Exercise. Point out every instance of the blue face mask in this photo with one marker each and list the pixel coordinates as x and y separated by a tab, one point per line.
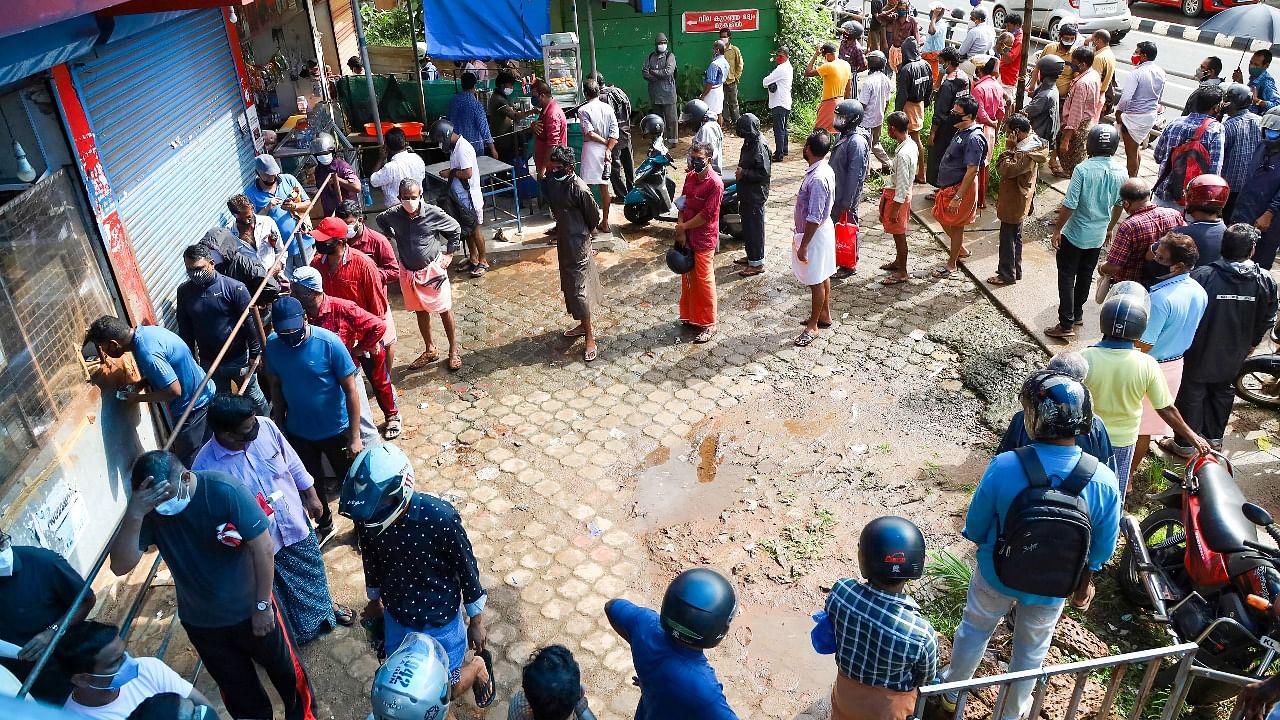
128	671
1271	135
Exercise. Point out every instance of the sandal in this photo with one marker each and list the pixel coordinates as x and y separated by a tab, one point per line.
823	325
1061	174
455	362
805	338
891	265
479	270
704	336
589	354
945	272
343	615
574	332
392	430
1171	447
999	281
485	694
465	266
892	280
1088	600
425	359
751	270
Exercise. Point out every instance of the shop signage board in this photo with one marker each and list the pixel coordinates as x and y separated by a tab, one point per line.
706	21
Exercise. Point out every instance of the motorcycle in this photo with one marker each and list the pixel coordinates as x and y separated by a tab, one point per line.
1258	381
652	194
1197	565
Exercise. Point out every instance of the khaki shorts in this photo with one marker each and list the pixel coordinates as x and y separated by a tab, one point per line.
915	115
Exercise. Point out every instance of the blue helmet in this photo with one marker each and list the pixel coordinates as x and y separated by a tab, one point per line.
378	487
1055	406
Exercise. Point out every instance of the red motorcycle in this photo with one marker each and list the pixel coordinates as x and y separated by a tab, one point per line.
1195	563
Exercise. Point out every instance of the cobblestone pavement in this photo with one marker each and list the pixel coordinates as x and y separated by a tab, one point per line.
582	482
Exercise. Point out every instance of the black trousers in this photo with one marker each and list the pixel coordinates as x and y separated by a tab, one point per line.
670	120
753	230
1206	407
624	170
1010	267
781	121
1075	276
193	434
230	654
310	452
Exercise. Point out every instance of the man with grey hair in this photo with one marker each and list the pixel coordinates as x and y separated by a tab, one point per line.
1097	443
713	81
416	227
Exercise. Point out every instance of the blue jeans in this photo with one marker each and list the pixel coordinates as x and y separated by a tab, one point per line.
781	119
1032	636
452	636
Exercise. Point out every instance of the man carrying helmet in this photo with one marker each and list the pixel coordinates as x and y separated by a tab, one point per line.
466	200
1035	578
1241	130
345	184
1121	375
675	679
1206	196
1240	311
418	566
884	647
1088	216
837	83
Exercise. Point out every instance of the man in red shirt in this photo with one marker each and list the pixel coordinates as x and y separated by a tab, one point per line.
699	229
549	130
369	241
351	275
1011	57
1146	224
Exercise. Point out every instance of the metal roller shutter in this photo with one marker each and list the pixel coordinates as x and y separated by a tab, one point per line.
165	108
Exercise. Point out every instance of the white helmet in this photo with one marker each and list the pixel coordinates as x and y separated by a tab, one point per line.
413	684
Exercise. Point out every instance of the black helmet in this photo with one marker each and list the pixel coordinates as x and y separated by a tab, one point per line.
1237	97
652	125
1103	140
378	487
852	28
1055	406
695	111
876	61
850	111
441	131
957	14
1125	311
680	259
698	607
891	550
1050	66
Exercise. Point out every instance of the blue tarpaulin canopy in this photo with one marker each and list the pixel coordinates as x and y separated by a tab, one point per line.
496	29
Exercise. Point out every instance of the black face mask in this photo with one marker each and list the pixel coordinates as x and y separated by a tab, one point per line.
251	435
293	338
326	247
201	277
558	174
697	164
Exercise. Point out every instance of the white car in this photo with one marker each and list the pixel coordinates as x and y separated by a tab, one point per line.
1087	15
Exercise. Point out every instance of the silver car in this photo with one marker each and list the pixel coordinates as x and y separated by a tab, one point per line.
1087	15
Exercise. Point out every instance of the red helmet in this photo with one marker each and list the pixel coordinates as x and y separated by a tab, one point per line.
1207	191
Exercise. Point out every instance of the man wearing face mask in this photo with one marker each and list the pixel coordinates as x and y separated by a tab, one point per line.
253	450
953	84
837	83
171	373
1210	71
280	196
1259	200
213	537
898	25
107	682
1146	224
259	237
1104	60
369	241
980	39
849	161
1139	103
1080	111
503	117
956	204
1265	95
37	588
660	71
318	395
208	306
778	83
732	56
577	216
345	184
754	169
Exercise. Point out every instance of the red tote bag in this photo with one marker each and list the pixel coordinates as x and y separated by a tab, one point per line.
846	243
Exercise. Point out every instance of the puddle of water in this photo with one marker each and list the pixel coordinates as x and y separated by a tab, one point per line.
686	484
781	637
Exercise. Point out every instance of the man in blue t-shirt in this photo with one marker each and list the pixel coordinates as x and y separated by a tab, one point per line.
317	392
1057	409
213	537
281	197
168	367
676	681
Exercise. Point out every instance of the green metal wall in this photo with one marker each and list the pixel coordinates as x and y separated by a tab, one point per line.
625	39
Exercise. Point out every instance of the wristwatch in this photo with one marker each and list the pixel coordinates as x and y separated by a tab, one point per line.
264	605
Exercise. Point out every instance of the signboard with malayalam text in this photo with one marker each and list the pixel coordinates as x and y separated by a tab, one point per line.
706	21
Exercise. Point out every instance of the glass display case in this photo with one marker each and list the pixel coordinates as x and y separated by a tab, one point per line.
561	58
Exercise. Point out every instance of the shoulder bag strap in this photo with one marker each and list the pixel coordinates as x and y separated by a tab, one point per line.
1081	474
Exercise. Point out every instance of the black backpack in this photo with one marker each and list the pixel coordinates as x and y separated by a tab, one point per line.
1043	548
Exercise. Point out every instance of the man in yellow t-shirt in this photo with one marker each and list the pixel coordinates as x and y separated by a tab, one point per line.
835	74
1121	375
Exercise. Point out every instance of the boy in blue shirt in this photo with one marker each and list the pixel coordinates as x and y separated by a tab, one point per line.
1057	409
676	681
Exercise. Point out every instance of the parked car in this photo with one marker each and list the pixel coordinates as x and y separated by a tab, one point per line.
1046	15
1194	8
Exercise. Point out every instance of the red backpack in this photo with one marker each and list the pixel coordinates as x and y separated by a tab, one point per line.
1186	161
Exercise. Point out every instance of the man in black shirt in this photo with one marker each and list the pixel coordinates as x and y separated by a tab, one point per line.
37	587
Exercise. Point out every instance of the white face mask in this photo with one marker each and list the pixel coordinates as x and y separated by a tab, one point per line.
351	231
410	206
6	562
506	91
179	502
662	47
324	159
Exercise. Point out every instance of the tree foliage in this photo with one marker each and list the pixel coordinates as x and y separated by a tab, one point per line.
387	27
802	25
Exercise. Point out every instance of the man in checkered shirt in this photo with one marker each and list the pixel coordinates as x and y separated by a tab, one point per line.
884	648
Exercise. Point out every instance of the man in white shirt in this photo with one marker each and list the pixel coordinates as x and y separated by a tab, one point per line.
705	130
778	83
895	201
1139	103
873	93
599	135
398	162
979	39
107	682
463	178
259	235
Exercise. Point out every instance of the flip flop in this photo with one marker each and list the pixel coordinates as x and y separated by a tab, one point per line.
943	273
804	339
574	333
424	359
455	362
590	354
480	270
891	265
392	430
485	694
343	615
823	325
892	280
965	254
1088	601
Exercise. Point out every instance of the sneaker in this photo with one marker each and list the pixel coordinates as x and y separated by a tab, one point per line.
949	701
1060	331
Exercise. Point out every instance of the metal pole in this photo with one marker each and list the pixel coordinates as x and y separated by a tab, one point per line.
368	71
417	68
315	45
591	34
576	30
1026	53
